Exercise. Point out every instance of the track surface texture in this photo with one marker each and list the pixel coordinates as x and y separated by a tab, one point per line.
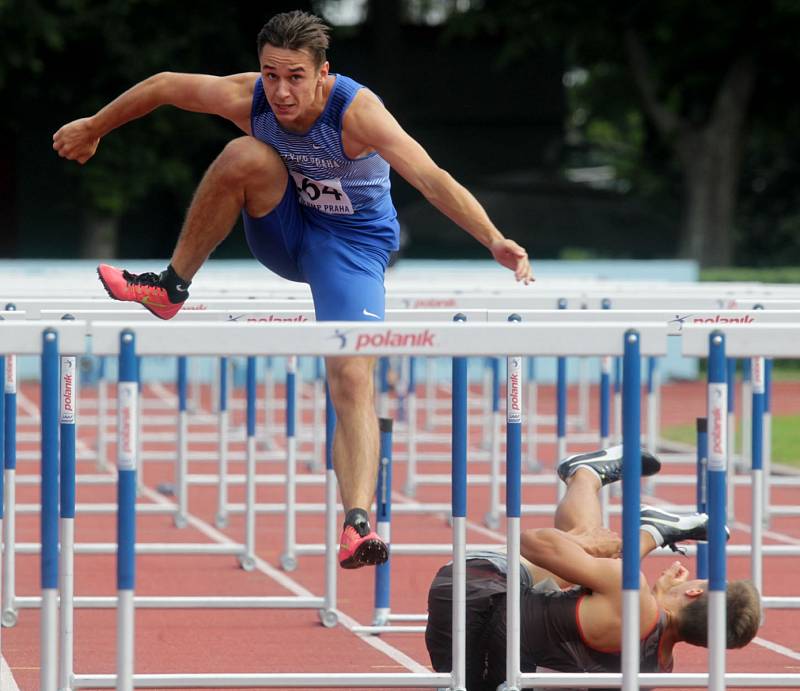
293	640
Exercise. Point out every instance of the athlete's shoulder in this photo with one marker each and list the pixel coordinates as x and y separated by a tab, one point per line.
346	81
363	106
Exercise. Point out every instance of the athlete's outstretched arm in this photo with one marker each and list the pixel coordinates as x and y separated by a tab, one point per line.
229	97
368	123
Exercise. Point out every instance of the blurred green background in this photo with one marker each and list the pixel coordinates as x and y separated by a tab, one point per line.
598	130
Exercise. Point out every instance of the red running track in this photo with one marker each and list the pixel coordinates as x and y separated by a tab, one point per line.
258	641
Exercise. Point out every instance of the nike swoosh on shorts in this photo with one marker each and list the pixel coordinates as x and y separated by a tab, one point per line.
366	313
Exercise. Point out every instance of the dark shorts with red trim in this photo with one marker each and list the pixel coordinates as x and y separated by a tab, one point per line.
486	590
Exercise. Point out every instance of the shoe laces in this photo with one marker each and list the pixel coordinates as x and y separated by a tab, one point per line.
361	528
146	279
148	282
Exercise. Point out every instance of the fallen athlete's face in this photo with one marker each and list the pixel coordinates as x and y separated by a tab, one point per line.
292	85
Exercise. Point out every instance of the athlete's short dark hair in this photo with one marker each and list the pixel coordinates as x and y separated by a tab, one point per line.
296	30
743	615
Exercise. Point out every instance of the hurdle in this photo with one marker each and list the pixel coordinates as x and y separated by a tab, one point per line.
68	418
582	314
777	315
769	340
546	339
386	681
44	340
2	475
9	424
671	679
246	559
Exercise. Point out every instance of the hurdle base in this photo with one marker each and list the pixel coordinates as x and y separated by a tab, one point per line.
238	681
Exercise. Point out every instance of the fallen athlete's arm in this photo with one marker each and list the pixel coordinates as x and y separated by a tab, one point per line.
369	126
567	555
598	543
229	97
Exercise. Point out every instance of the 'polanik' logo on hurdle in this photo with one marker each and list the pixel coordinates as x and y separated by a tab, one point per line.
716	319
514	402
250	318
429	303
387	339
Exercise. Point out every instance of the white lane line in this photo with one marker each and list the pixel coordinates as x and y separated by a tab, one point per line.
163	393
776	648
771	534
293	586
7	681
28	406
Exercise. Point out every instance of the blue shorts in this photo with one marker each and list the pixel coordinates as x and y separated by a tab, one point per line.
346	278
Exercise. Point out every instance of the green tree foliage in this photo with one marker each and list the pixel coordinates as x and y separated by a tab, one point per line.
675	91
65	59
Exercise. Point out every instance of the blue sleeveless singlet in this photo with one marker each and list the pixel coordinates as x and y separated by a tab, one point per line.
348	197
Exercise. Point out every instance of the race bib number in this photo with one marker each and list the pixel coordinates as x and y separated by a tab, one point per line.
324	195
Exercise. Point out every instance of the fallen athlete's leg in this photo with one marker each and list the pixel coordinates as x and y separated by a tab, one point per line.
662	528
585	474
579	510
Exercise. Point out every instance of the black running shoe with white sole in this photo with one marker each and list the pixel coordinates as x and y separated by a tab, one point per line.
606	463
669	528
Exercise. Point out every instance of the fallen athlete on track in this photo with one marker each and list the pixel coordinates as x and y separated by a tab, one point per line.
571	590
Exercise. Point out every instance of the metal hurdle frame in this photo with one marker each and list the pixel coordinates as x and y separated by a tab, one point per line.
46	339
58	663
327	612
182	476
768	316
2	474
769	340
538	315
752	318
9	423
367	339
